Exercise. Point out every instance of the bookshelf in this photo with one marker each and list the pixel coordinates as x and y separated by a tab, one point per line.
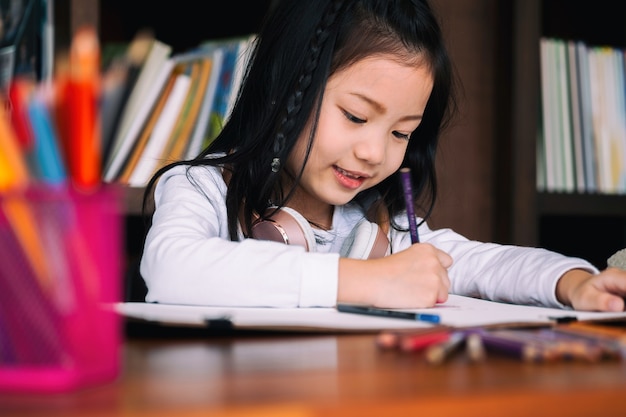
579	224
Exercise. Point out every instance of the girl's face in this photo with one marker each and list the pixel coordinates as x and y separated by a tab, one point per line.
368	113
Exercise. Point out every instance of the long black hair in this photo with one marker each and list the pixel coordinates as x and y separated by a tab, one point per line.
300	45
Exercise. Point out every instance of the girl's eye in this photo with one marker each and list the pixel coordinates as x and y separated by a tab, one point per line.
401	135
353	118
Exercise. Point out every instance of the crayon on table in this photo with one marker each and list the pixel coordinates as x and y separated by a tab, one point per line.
475	348
556	345
611	346
616	332
438	353
421	341
573	347
389	339
528	351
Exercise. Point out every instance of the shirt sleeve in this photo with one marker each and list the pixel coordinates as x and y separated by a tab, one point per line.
505	273
188	257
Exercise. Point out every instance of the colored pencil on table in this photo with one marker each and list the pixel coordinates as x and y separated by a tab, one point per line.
439	352
390	339
475	348
412	343
526	350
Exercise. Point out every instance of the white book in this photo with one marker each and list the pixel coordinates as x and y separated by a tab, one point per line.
548	138
149	159
620	117
244	51
576	116
151	79
566	154
118	158
618	131
600	112
596	114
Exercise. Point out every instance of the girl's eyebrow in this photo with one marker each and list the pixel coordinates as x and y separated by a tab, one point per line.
382	109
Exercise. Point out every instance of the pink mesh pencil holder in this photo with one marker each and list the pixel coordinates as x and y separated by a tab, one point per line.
60	275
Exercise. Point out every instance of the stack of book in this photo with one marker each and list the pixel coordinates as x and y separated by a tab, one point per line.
582	144
159	107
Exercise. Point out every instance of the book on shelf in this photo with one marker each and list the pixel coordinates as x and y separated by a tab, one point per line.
563	132
153	75
120	73
576	115
142	143
244	49
235	50
548	107
586	122
200	129
604	107
146	132
179	139
164	126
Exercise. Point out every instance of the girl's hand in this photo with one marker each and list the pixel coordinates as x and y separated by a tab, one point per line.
413	278
585	291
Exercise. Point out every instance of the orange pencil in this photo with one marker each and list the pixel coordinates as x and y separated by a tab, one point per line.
13	170
84	147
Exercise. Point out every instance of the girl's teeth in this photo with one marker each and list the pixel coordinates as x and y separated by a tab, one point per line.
347	174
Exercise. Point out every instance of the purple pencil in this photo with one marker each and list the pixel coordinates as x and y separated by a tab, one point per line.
405	176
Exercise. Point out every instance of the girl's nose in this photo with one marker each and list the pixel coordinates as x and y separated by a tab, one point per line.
371	149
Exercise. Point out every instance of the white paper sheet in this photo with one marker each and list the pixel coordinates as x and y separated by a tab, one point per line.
458	311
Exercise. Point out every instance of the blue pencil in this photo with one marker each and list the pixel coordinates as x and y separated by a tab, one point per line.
46	153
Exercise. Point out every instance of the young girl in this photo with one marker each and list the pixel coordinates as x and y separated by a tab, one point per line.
338	96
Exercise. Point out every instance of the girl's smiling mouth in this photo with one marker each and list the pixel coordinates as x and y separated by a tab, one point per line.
349	179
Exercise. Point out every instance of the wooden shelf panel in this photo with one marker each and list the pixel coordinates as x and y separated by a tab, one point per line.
581	204
133	200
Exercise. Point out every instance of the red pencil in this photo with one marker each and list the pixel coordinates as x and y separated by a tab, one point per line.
84	147
418	342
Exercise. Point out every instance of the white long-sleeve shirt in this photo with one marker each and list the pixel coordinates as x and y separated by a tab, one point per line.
189	259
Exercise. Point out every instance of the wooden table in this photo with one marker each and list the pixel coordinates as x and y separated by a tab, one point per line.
263	374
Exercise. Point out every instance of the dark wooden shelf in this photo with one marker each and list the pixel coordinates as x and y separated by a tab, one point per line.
133	200
581	204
